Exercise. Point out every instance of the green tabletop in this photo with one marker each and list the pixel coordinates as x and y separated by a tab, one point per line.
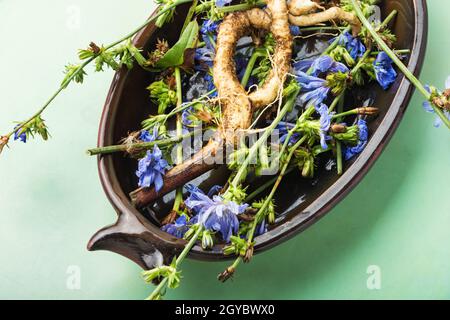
388	239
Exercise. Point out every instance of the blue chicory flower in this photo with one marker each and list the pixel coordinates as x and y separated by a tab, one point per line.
208	30
20	135
354	46
151	169
314	89
323	64
363	136
206	54
178	228
384	71
325	123
428	107
209	26
146	136
215	214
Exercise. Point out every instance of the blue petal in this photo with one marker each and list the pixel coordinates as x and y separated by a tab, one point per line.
222	3
261	228
427	106
295	30
322	64
437	122
214	190
19	135
302	65
350	152
158	182
315	97
384	72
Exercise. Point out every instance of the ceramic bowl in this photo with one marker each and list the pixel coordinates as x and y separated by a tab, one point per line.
301	202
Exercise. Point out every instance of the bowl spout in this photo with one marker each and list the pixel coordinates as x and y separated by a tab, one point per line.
130	237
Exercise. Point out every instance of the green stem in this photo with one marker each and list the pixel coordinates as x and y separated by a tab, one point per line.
137	146
51	99
401	51
146	145
263	187
241	7
344	114
179	191
211	39
388	19
87	62
275	187
266	202
336	101
324	28
156	292
227	9
404	69
339	162
179	103
190	14
276	183
251	64
254	149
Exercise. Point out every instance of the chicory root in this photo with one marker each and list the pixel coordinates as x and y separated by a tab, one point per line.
301	7
333	13
279	28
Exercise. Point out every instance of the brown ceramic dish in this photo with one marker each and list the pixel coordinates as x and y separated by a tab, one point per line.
136	234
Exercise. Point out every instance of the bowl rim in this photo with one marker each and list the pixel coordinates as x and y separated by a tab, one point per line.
322	204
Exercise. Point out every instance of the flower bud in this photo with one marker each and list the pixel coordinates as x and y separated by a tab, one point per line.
308	168
437	101
94	48
248	254
367	111
190	233
207	241
3	142
446	93
338	128
227	274
271	213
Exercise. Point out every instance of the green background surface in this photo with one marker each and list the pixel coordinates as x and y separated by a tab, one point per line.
51	200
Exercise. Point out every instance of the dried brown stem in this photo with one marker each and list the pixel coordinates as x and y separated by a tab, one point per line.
201	162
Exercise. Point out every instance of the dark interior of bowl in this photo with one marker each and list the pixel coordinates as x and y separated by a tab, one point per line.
299	201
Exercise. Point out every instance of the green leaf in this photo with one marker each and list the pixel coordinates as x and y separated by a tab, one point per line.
175	56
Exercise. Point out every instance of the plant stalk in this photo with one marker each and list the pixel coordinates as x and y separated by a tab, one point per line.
179	191
88	61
